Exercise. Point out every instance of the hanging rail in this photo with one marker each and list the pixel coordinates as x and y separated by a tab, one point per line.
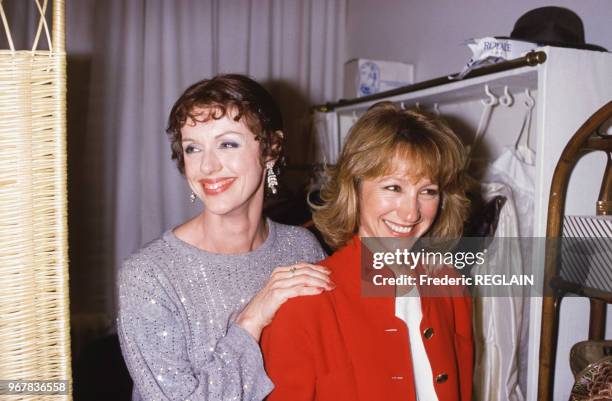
530	59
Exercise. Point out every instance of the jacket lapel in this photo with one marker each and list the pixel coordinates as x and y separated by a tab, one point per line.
376	340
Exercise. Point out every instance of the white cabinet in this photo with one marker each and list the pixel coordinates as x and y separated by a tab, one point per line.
568	87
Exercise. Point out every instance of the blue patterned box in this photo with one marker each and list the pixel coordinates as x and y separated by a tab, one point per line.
364	77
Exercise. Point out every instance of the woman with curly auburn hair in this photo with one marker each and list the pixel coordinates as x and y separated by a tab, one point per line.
400	176
193	303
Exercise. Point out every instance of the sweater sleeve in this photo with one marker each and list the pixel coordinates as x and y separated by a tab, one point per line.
154	346
288	353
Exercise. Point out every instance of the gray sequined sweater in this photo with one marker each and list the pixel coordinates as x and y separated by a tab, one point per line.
177	304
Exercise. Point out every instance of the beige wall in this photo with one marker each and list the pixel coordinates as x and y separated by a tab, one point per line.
429	34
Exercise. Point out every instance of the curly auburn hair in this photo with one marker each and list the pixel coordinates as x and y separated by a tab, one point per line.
383	134
232	95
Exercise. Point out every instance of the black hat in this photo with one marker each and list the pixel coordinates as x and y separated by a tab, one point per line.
554	26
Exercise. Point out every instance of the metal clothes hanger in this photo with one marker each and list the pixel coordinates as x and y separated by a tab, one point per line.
507	99
489	103
527	153
436	109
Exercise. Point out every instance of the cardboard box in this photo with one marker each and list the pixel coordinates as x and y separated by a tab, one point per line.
364	77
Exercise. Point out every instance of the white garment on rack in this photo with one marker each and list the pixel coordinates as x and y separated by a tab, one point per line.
408	308
498	319
325	126
515	167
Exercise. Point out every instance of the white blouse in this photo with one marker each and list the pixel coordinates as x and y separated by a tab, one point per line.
408	308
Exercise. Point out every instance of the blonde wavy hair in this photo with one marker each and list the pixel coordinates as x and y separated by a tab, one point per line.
381	136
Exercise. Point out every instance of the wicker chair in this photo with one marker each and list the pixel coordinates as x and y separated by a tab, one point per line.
587	139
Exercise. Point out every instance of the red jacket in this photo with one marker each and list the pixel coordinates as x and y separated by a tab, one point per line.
341	346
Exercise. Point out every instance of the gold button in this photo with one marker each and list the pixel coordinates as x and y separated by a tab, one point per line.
441	378
428	333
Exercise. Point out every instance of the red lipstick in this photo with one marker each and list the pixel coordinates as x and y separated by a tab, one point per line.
214	186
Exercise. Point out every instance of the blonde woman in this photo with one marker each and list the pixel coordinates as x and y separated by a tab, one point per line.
400	175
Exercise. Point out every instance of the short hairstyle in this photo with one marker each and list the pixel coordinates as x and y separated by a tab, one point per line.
384	133
223	95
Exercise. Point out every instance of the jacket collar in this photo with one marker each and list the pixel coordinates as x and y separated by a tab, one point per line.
352	273
354	276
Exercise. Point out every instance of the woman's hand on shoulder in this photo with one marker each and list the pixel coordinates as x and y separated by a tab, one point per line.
285	282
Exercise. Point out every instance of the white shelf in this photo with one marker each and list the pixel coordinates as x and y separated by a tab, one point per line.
516	80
